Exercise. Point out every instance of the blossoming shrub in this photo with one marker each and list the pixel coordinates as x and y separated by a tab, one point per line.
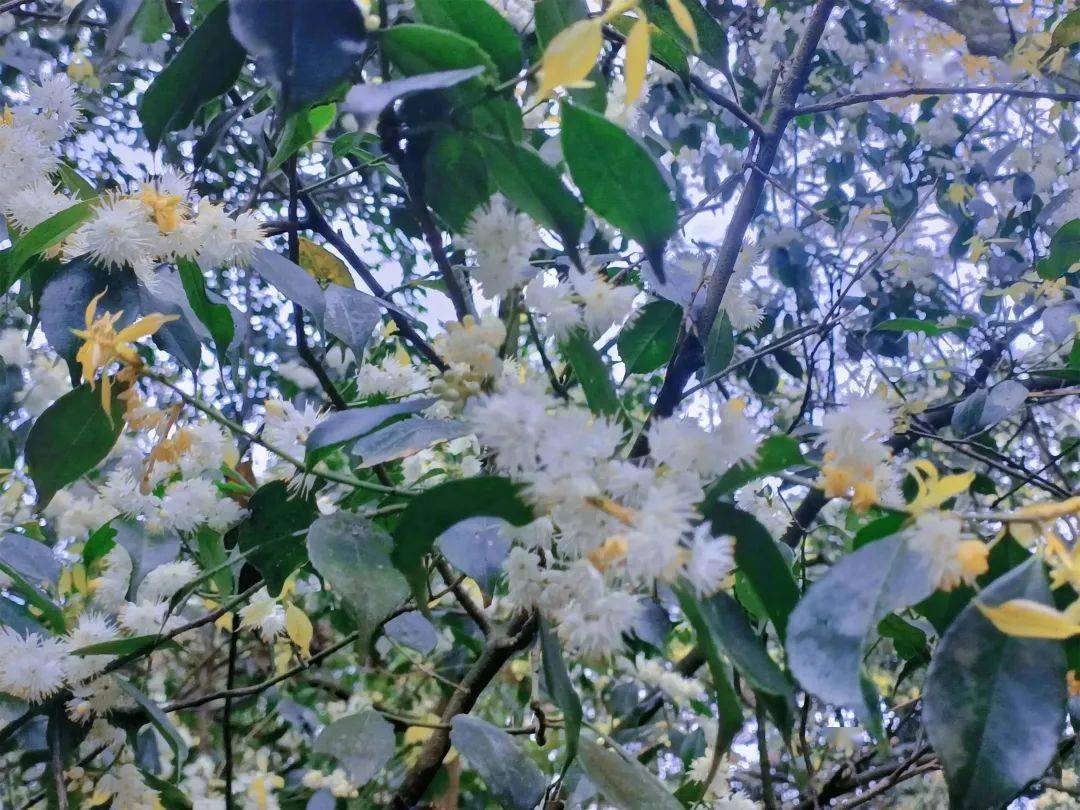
458	403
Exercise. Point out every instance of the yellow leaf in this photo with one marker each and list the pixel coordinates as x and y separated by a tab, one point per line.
299	628
1050	510
933	489
324	266
637	58
570	56
1023	617
684	21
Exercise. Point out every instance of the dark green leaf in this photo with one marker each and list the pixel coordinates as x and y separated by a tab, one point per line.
340	427
877	529
727	621
729	709
962	326
435	510
405	438
759	559
837	616
720	347
159	720
519	172
215	317
711	37
368	100
647	341
363	743
481	23
558	684
774	454
70	438
206	66
353	555
304	51
1064	251
126	646
146	549
619	180
508	772
351	316
418	49
994	705
592	372
625	783
272	535
46	235
50	613
455	175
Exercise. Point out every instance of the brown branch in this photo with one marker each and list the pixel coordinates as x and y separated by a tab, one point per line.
934	90
496	653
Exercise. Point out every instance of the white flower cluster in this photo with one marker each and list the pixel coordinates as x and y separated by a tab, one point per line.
738	303
586	300
609	526
502	240
857	462
471	347
160	224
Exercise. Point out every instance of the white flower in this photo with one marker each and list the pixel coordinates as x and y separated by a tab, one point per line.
111	587
936	536
711	560
92	628
119	234
555	303
773	516
298	374
49	380
473	343
77	517
604	304
391	378
145	618
13	348
31	667
24	157
165	580
852	438
680	689
502	240
264	614
96	699
56	98
682	444
524	577
30	206
125	785
595	626
195	502
225	240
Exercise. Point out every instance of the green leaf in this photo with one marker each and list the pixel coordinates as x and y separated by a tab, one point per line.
481	23
305	51
592	372
126	646
159	720
837	616
759	559
506	770
551	17
46	235
558	684
206	66
663	47
415	49
619	180
1064	251
962	326
51	614
340	427
75	183
625	783
774	454
994	705
908	640
214	316
362	743
70	438
729	709
301	129
435	510
711	37
720	347
1066	33
271	537
882	527
646	343
727	621
536	188
455	176
353	555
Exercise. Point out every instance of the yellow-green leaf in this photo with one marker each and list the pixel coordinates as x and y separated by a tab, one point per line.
299	628
685	22
637	58
570	56
322	265
1030	619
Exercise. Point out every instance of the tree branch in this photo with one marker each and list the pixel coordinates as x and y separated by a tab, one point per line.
935	90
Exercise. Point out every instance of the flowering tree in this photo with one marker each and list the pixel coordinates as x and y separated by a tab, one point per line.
492	403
